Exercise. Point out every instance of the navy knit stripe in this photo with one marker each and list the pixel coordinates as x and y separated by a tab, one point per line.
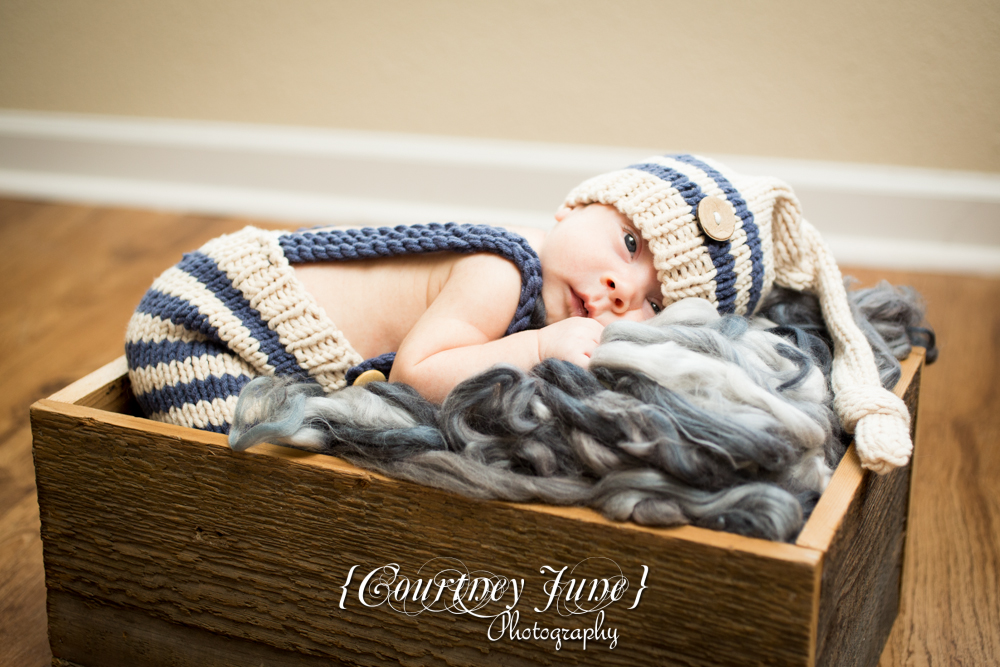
223	429
368	243
178	311
184	313
725	274
155	402
175	396
749	226
143	354
203	268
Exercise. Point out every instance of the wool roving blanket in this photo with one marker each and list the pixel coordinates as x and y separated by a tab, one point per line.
690	417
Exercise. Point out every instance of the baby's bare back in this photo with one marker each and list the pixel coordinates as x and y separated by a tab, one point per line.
376	302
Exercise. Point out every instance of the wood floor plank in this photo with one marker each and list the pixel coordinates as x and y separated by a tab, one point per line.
23	638
73	274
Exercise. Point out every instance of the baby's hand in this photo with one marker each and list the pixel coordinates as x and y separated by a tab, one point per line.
572	339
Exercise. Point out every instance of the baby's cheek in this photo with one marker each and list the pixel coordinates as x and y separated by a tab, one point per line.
639	315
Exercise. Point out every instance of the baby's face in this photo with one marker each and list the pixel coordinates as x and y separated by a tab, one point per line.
596	264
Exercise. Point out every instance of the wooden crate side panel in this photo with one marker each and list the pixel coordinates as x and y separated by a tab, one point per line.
196	535
862	570
107	388
87	633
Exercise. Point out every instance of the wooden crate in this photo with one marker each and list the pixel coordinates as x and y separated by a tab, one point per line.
164	547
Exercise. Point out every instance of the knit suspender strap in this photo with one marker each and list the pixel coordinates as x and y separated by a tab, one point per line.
369	243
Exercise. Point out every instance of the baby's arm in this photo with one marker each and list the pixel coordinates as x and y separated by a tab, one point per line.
461	333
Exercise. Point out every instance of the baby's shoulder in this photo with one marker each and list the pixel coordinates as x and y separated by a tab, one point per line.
486	272
483	289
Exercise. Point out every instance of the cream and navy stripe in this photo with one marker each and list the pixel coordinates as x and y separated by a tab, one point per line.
234	310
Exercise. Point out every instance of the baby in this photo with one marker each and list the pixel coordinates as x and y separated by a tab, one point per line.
434	305
449	313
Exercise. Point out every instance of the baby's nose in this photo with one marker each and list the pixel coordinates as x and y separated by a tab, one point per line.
620	295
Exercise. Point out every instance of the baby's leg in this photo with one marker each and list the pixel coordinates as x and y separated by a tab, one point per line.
182	377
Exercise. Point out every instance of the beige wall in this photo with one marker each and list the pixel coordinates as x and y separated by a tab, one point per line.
891	81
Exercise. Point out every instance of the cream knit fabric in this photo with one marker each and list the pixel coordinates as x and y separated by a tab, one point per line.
771	244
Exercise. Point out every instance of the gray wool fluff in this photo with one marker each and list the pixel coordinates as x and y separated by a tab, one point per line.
691	417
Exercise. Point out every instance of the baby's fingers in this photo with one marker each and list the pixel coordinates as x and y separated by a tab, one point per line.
571	340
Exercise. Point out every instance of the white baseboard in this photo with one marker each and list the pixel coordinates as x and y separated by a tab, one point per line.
889	217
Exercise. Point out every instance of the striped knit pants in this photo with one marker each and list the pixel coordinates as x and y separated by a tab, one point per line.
229	312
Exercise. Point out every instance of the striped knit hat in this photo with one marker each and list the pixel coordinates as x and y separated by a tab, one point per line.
729	238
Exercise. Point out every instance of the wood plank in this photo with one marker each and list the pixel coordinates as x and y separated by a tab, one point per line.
22	580
861	576
90	633
107	388
718	539
206	547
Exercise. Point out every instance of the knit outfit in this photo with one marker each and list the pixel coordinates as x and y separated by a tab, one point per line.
234	310
767	242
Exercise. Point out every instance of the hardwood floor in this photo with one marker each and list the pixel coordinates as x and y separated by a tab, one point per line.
73	274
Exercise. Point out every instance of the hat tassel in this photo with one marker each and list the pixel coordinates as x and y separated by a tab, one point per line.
877	417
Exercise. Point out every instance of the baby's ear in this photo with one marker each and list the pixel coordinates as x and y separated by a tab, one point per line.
562	213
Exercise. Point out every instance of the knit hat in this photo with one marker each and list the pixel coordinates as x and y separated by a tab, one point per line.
729	238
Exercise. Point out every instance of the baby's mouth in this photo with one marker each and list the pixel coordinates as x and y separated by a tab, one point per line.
579	305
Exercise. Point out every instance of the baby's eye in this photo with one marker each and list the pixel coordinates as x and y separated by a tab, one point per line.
631	243
655	306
